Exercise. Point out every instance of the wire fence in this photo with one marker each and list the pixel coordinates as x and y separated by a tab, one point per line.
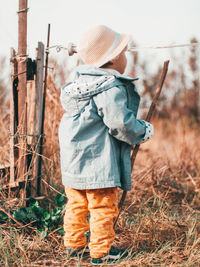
72	48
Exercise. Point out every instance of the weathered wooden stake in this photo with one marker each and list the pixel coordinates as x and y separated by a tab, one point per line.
22	90
13	119
39	167
39	98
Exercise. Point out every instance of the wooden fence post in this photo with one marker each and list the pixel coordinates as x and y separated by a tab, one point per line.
13	119
22	91
39	98
39	169
27	105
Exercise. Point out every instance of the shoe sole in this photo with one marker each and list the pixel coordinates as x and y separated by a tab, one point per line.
111	258
106	259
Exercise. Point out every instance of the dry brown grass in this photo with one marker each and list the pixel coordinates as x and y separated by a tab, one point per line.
160	223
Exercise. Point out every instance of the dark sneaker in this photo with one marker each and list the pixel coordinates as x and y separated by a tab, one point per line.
113	255
79	252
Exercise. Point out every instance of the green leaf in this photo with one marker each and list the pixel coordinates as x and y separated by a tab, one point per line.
47	215
40	229
32	216
20	214
38	210
33	202
44	233
59	200
56	211
53	218
61	231
3	216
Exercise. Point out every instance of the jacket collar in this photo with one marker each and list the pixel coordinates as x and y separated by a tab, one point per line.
95	71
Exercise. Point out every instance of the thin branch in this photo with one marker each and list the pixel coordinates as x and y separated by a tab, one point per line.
11	217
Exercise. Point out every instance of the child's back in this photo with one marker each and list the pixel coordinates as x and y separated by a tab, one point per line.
101	110
96	135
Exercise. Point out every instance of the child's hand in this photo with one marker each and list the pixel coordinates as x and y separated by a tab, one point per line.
149	132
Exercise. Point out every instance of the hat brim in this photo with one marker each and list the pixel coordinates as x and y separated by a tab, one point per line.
122	43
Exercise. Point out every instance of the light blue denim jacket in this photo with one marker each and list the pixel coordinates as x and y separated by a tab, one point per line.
98	129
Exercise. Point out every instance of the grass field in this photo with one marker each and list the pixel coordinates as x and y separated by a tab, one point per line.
160	222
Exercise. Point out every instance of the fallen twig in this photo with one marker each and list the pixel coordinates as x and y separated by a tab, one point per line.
11	217
52	188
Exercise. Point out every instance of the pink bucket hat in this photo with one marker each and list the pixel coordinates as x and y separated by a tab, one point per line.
100	44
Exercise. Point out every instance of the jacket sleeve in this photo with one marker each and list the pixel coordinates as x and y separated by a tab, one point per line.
112	106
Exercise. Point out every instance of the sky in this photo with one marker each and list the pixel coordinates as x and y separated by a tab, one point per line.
150	22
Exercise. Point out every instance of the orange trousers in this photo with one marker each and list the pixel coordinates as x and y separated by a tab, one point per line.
102	206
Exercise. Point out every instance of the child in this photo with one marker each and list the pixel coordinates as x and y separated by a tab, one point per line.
96	135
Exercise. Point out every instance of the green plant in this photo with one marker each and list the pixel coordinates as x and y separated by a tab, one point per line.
45	220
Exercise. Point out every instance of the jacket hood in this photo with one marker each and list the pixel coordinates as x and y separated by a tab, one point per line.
89	80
